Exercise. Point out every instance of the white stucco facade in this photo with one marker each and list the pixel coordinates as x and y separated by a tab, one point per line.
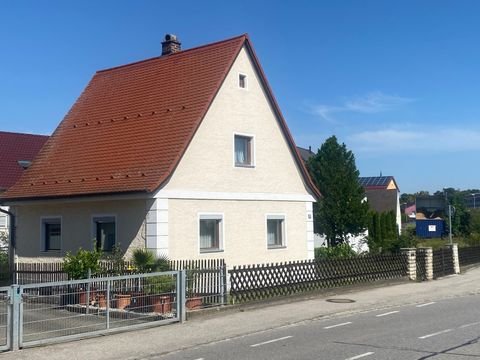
206	182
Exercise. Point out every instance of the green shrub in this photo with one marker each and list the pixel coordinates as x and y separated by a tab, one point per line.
341	251
143	260
78	265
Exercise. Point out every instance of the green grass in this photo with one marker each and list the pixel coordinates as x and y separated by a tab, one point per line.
437	243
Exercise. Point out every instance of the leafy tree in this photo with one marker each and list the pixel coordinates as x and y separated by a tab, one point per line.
342	209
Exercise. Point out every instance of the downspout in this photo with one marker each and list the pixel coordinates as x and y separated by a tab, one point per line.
12	244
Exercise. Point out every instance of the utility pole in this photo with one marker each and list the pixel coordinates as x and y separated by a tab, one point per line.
450	223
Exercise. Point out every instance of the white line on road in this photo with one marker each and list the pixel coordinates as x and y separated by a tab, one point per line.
435	334
337	325
468	325
199	359
271	341
430	303
360	356
388	313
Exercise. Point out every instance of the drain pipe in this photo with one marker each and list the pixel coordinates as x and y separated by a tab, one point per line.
12	244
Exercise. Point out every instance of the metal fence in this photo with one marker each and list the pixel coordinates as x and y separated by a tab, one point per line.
421	258
443	262
469	255
5	318
254	282
52	312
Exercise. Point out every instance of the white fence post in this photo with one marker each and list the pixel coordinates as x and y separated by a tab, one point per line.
411	262
456	261
429	263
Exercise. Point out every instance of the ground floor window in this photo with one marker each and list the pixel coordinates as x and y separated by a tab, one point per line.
211	233
104	228
275	231
3	221
51	233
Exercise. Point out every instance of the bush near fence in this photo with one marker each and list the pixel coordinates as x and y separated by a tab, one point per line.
254	282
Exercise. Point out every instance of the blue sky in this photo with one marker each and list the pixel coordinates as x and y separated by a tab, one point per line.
398	82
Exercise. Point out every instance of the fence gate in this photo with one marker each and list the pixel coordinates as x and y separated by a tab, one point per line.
443	262
5	318
51	312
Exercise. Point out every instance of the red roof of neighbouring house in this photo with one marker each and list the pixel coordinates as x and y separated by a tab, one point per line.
132	124
15	147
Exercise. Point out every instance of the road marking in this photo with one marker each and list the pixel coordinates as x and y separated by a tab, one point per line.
430	303
271	341
199	359
468	325
435	334
360	356
334	326
388	313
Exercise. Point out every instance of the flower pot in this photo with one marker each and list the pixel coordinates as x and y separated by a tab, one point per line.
160	303
123	300
82	297
139	302
194	302
102	300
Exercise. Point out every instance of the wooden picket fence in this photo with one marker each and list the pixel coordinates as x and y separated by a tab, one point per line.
255	282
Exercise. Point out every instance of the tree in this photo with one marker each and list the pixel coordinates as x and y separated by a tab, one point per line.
341	210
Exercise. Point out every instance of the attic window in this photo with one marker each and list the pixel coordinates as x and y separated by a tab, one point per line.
243	152
242	81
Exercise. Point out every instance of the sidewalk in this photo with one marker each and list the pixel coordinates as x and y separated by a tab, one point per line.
248	319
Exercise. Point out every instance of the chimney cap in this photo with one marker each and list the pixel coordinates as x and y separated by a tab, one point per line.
171	44
171	37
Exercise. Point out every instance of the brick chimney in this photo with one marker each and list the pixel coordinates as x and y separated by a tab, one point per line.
171	45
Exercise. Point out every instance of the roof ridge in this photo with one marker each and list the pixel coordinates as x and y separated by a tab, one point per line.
168	56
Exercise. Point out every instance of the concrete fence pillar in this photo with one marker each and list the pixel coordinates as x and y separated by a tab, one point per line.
429	263
456	261
411	263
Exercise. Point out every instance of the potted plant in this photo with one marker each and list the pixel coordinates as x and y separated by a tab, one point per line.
80	266
159	293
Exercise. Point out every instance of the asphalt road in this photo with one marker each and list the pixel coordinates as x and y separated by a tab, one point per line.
446	329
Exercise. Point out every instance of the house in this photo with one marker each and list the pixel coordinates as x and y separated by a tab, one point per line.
305	154
172	153
17	150
383	195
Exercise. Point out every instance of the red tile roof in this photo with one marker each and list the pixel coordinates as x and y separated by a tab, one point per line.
131	125
15	147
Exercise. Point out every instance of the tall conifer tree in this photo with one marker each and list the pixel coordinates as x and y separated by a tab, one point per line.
342	209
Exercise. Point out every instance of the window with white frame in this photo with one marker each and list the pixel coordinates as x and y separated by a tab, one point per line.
104	228
3	221
211	233
52	233
242	81
275	231
244	150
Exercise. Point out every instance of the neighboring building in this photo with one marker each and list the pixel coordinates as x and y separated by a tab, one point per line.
16	149
186	154
305	154
383	195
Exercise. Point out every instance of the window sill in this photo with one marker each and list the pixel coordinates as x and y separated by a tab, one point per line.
245	166
51	251
276	247
211	251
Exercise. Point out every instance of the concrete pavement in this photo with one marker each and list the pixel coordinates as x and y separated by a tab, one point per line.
148	343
